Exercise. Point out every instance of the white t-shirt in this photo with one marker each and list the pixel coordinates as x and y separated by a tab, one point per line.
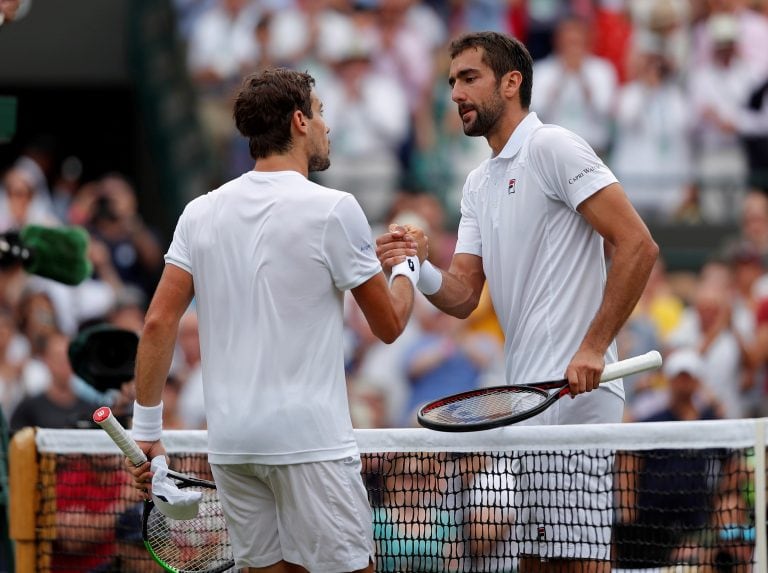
543	261
270	255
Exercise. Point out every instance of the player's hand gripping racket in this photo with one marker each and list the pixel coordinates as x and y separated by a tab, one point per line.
196	545
496	406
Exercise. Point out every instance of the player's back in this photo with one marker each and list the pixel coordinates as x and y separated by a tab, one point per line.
270	319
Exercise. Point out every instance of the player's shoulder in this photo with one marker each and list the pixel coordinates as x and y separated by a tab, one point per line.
326	193
549	139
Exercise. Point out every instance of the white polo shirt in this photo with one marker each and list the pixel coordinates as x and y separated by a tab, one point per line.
270	255
543	261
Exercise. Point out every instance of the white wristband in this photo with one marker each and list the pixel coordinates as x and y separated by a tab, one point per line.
147	422
408	268
430	279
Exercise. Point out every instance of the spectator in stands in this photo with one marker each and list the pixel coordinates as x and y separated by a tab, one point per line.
92	493
413	533
752	126
129	310
751	35
134	248
575	89
404	53
664	497
446	359
18	206
753	228
130	554
367	112
488	498
376	365
190	374
221	46
722	336
38	160
718	90
59	405
652	154
12	358
666	23
542	21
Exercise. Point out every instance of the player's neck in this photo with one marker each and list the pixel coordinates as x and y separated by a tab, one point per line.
498	138
283	162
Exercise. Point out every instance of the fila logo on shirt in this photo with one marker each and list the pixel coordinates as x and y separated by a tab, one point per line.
511	186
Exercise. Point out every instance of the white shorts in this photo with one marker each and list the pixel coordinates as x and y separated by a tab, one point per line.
564	501
314	514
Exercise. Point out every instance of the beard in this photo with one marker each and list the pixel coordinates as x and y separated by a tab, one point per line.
487	115
319	162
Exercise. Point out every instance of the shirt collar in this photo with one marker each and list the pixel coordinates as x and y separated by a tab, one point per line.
519	135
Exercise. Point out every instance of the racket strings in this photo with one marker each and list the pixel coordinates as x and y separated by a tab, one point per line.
487	406
198	545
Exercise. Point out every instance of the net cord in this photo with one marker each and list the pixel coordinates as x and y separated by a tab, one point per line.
630	436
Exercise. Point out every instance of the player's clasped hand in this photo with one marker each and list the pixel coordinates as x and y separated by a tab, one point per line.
394	246
142	478
584	371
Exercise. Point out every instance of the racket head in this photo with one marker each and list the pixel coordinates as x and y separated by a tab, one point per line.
197	545
484	408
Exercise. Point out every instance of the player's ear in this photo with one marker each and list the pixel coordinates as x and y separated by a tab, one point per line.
511	82
299	121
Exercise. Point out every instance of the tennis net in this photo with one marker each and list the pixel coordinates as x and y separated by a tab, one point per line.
688	494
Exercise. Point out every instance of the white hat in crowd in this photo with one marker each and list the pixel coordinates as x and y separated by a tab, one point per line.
684	360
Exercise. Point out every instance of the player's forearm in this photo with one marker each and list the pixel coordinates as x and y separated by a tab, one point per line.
630	268
455	297
153	360
401	293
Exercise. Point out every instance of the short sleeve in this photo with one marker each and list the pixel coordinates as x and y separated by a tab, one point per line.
178	253
569	168
469	239
348	245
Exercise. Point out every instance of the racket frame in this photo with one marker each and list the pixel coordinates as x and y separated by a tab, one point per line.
648	361
104	417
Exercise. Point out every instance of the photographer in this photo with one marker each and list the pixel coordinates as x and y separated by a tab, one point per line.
114	220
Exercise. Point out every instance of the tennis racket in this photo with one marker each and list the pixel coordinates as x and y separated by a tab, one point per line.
196	545
496	406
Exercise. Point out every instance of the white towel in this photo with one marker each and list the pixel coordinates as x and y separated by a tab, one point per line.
170	500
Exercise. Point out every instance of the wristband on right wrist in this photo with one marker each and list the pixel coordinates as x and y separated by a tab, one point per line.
408	268
430	279
147	422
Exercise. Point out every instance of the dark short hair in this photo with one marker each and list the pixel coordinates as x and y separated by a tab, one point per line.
265	105
502	54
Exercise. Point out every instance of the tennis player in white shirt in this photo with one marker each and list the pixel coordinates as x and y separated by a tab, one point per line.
534	218
267	257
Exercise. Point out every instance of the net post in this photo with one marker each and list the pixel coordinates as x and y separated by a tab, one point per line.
25	499
761	554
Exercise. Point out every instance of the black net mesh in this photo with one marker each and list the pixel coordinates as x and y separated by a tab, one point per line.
448	511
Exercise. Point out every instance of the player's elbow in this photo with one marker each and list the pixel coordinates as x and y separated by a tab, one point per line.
388	331
158	324
649	250
465	308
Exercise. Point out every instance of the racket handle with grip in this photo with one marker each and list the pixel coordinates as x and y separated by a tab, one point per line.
648	361
106	419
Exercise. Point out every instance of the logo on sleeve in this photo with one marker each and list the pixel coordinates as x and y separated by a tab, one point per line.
366	247
584	172
411	265
511	186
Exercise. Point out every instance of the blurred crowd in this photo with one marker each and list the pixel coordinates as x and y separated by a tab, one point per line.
670	92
